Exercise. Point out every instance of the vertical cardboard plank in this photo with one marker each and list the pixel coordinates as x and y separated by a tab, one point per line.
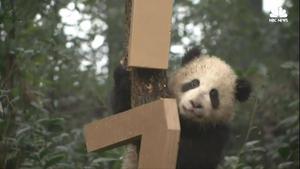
159	147
149	40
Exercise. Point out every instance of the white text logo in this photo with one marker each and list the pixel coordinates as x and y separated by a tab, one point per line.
278	15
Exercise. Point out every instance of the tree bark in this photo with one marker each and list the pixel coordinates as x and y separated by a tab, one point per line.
146	85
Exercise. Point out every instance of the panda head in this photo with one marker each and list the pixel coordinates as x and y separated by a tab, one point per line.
206	88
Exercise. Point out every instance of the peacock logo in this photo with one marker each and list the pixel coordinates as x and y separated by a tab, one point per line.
278	15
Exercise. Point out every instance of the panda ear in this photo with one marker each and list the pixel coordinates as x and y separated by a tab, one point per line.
190	55
242	89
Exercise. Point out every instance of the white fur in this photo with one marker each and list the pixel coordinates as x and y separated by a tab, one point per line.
212	73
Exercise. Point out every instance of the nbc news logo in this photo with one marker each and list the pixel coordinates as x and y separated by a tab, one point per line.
278	15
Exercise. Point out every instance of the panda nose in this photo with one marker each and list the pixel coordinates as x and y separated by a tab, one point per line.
196	105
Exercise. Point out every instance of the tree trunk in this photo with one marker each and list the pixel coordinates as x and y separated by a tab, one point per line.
146	85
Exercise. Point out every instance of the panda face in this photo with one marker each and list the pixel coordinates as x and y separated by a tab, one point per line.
204	89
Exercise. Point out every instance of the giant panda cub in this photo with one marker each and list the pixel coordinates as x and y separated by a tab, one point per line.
206	89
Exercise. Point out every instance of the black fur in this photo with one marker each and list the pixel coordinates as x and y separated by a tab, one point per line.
190	85
242	90
120	100
214	97
201	145
190	55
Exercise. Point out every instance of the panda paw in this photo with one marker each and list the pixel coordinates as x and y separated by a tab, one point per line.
120	99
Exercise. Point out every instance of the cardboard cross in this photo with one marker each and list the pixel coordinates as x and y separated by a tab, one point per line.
156	123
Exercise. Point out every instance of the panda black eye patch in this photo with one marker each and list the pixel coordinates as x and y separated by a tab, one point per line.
190	85
214	98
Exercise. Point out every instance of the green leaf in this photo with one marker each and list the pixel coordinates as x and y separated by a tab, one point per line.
54	160
290	121
104	159
43	152
39	107
2	123
289	65
23	131
258	149
53	125
294	103
284	152
286	165
252	143
1	108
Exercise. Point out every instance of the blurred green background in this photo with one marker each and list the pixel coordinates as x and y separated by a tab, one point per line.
57	58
